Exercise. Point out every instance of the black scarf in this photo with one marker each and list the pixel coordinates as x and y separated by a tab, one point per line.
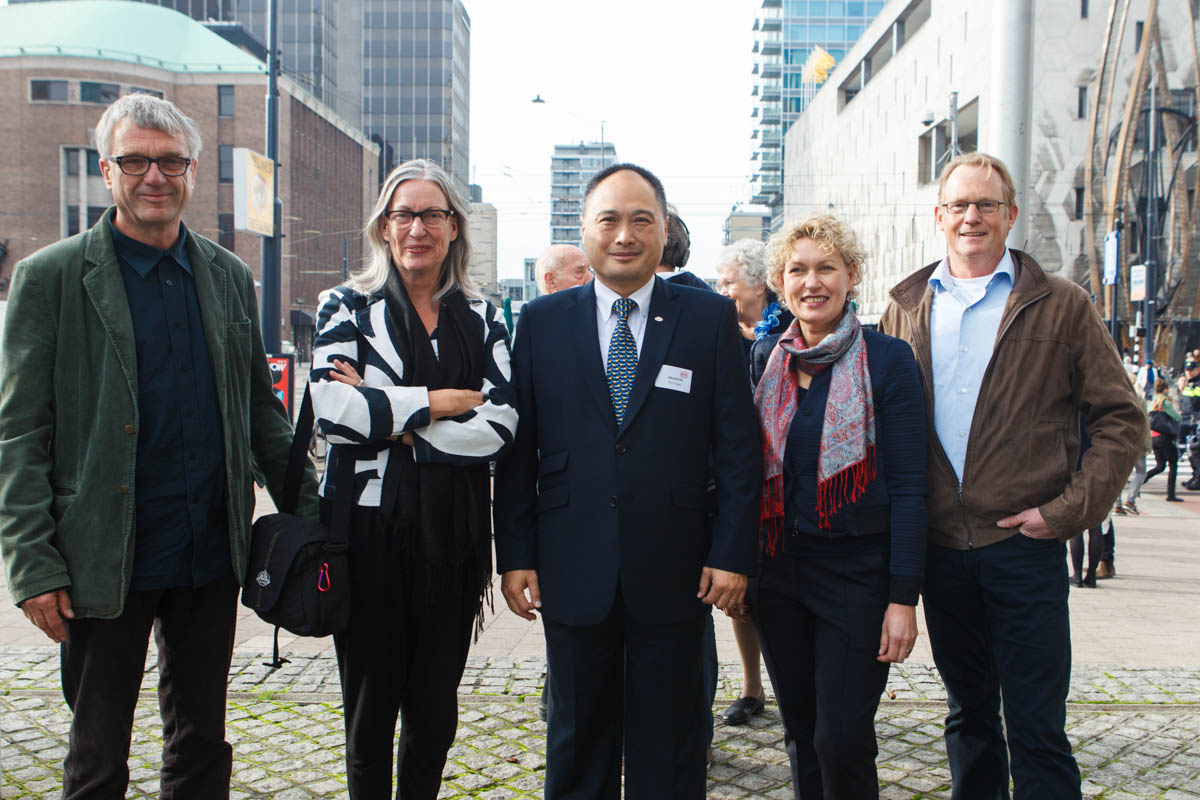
442	511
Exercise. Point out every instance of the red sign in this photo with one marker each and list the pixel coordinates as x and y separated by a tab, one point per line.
283	371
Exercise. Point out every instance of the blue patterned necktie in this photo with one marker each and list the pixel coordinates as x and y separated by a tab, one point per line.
622	358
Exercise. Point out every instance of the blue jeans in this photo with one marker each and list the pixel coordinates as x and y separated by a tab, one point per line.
999	625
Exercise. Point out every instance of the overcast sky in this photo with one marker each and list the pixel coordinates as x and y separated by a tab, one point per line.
670	79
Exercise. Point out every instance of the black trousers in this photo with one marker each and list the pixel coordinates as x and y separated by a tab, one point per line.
1166	457
999	626
819	621
102	665
628	677
402	657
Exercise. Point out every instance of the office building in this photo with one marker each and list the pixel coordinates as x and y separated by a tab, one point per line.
572	166
55	92
786	31
747	222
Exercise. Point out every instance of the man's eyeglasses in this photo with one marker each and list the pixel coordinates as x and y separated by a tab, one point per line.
170	166
984	207
430	217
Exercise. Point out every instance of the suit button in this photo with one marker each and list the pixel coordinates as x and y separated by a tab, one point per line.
124	490
130	429
612	501
620	449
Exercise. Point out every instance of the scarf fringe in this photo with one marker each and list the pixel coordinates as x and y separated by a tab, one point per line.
771	517
844	488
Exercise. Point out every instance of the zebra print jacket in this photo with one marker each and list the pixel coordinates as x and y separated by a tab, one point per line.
362	422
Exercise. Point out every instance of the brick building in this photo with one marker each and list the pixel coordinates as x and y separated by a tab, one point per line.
62	63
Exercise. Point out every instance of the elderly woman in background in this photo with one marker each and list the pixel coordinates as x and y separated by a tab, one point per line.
843	512
742	277
410	383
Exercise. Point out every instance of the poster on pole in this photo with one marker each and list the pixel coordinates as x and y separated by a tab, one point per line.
253	192
1111	243
1137	283
283	370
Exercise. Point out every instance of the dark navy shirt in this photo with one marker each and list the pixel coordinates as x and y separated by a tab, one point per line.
181	524
889	516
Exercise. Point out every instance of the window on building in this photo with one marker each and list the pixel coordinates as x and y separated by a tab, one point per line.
48	91
1083	9
1078	202
225	231
72	220
142	90
71	157
224	101
1137	35
92	92
93	163
94	213
1082	110
225	165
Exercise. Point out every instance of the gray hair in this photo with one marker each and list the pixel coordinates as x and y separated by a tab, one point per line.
749	256
374	273
146	111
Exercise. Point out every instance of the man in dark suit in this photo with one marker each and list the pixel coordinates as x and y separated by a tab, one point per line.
631	393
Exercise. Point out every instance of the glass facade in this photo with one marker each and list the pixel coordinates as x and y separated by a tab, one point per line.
416	82
785	35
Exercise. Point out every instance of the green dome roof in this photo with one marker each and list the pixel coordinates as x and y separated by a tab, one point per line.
137	33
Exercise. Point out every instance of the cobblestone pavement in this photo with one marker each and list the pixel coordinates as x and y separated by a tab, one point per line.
1136	732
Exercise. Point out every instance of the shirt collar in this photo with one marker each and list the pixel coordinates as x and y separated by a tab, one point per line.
942	281
605	297
144	257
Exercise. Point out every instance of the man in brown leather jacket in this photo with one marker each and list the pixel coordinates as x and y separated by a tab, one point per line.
1010	358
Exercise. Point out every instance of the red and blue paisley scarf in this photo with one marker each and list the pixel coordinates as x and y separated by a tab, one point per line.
846	461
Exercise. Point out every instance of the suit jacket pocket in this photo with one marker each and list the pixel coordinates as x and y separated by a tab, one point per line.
550	463
548	499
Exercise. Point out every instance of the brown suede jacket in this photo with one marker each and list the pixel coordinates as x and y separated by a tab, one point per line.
1053	360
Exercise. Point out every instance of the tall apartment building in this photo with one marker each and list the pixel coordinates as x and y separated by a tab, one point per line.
572	166
397	69
747	222
786	31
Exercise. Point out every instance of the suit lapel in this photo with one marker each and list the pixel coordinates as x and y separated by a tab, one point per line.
581	324
106	290
664	306
212	292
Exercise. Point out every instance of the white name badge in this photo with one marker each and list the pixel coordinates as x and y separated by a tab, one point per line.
674	378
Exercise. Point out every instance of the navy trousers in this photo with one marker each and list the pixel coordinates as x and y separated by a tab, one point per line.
999	626
626	677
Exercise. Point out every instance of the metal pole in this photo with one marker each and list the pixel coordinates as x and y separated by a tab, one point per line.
271	249
953	149
1151	221
1008	119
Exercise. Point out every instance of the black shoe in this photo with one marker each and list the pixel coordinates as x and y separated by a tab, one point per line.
1090	581
742	709
1174	499
1076	582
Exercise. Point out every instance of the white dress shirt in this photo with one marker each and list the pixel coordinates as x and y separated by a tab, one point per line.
606	318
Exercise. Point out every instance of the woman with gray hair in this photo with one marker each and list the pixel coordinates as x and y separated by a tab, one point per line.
742	277
410	383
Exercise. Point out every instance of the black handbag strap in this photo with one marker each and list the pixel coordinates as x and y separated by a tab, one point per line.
299	455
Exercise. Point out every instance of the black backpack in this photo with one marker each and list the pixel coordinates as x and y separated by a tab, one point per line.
298	575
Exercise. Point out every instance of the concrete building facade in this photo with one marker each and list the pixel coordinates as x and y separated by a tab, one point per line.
482	266
51	185
870	146
747	222
571	167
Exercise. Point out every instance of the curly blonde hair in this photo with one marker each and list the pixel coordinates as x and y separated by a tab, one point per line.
830	233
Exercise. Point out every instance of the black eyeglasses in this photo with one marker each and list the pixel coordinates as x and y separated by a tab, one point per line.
984	207
430	217
170	166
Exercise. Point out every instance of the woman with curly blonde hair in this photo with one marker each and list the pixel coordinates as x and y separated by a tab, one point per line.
843	511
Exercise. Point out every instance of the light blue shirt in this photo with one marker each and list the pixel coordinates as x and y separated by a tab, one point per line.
963	324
